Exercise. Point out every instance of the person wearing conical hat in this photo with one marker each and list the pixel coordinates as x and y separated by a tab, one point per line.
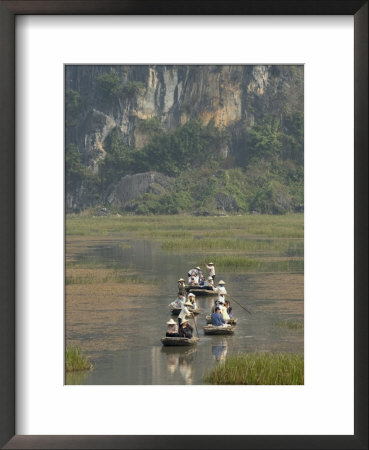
192	299
211	269
220	288
185	329
172	329
182	286
184	312
209	284
223	309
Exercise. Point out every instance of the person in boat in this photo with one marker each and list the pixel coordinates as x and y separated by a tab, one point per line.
211	269
202	281
194	280
184	312
182	286
217	318
223	309
185	329
192	300
172	329
228	306
221	288
179	301
209	284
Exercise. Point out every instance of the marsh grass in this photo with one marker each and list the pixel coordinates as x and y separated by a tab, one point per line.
75	360
259	369
287	226
293	247
88	276
291	324
240	262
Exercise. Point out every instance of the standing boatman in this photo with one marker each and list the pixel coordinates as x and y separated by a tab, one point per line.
211	269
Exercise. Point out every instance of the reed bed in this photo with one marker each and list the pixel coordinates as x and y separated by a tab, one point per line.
288	226
291	324
240	262
259	369
75	360
233	244
88	276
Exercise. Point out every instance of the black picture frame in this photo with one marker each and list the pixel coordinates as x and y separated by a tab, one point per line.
8	11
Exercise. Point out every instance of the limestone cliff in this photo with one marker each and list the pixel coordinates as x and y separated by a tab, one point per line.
133	100
228	94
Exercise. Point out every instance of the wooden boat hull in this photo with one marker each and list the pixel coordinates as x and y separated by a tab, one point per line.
176	311
199	292
210	329
179	341
232	321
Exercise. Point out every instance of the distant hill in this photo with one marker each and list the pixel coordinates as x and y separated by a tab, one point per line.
198	139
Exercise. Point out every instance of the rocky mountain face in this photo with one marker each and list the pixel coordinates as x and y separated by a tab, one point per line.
132	99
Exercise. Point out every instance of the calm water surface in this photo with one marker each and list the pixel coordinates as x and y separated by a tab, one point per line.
270	297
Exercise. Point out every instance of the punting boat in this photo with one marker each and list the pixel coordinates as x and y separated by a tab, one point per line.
179	341
227	329
176	311
232	321
198	291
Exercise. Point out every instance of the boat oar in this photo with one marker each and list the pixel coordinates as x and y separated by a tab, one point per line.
194	319
233	300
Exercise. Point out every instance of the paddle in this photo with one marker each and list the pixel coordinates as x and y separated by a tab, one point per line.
233	300
194	319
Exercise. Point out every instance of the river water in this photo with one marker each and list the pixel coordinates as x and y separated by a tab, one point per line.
271	298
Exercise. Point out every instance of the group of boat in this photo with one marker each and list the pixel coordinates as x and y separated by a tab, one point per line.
192	291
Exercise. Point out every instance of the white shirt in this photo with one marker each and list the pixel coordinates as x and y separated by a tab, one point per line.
184	312
211	270
221	290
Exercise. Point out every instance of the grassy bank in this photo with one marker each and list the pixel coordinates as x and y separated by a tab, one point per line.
75	360
259	369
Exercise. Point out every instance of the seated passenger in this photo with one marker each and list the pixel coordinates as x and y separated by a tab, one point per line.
209	284
216	318
192	300
222	308
179	301
172	329
227	304
185	329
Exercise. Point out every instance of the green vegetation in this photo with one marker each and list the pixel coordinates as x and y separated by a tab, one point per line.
110	83
289	226
73	105
254	242
259	369
291	324
133	88
75	360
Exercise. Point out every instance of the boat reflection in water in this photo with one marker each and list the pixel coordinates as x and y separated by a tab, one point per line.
180	359
219	350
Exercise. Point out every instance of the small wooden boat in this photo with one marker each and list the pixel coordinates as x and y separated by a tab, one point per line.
179	341
232	321
227	329
176	311
198	291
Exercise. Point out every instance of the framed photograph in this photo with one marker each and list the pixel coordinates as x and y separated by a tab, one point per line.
250	121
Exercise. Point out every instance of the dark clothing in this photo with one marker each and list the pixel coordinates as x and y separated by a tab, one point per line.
229	311
171	334
186	332
217	320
